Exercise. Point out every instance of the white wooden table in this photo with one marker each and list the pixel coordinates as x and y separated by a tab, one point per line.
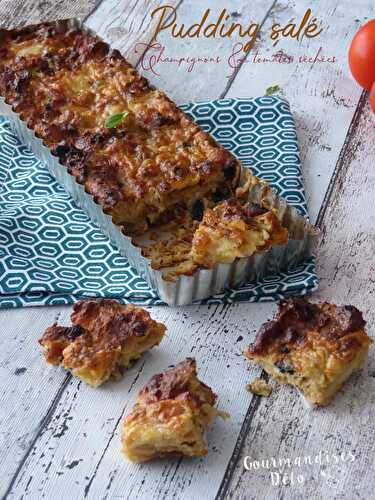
61	439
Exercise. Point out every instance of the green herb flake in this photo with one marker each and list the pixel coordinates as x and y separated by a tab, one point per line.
273	89
115	120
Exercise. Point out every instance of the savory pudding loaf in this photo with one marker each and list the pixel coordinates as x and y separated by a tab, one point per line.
315	347
150	167
180	196
170	416
103	339
125	141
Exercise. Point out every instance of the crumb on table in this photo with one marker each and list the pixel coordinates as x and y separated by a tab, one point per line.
259	387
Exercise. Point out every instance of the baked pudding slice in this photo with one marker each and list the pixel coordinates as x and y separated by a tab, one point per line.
210	235
315	347
233	229
104	338
170	416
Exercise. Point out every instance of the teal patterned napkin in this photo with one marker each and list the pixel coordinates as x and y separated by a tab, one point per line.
51	253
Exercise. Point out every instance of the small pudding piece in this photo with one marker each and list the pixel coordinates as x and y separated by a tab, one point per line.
170	416
104	338
259	387
315	347
232	230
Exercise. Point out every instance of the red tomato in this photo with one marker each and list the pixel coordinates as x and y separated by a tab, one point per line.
372	97
362	55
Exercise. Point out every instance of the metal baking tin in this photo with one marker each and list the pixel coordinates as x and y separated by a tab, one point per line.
205	282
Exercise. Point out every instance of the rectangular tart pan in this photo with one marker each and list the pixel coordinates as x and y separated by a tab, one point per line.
204	282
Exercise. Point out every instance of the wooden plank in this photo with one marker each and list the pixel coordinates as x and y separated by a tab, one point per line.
283	427
80	443
323	96
28	389
19	12
124	24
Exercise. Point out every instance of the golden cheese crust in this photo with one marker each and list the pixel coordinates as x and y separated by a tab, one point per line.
170	416
260	387
67	83
104	338
233	230
315	347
